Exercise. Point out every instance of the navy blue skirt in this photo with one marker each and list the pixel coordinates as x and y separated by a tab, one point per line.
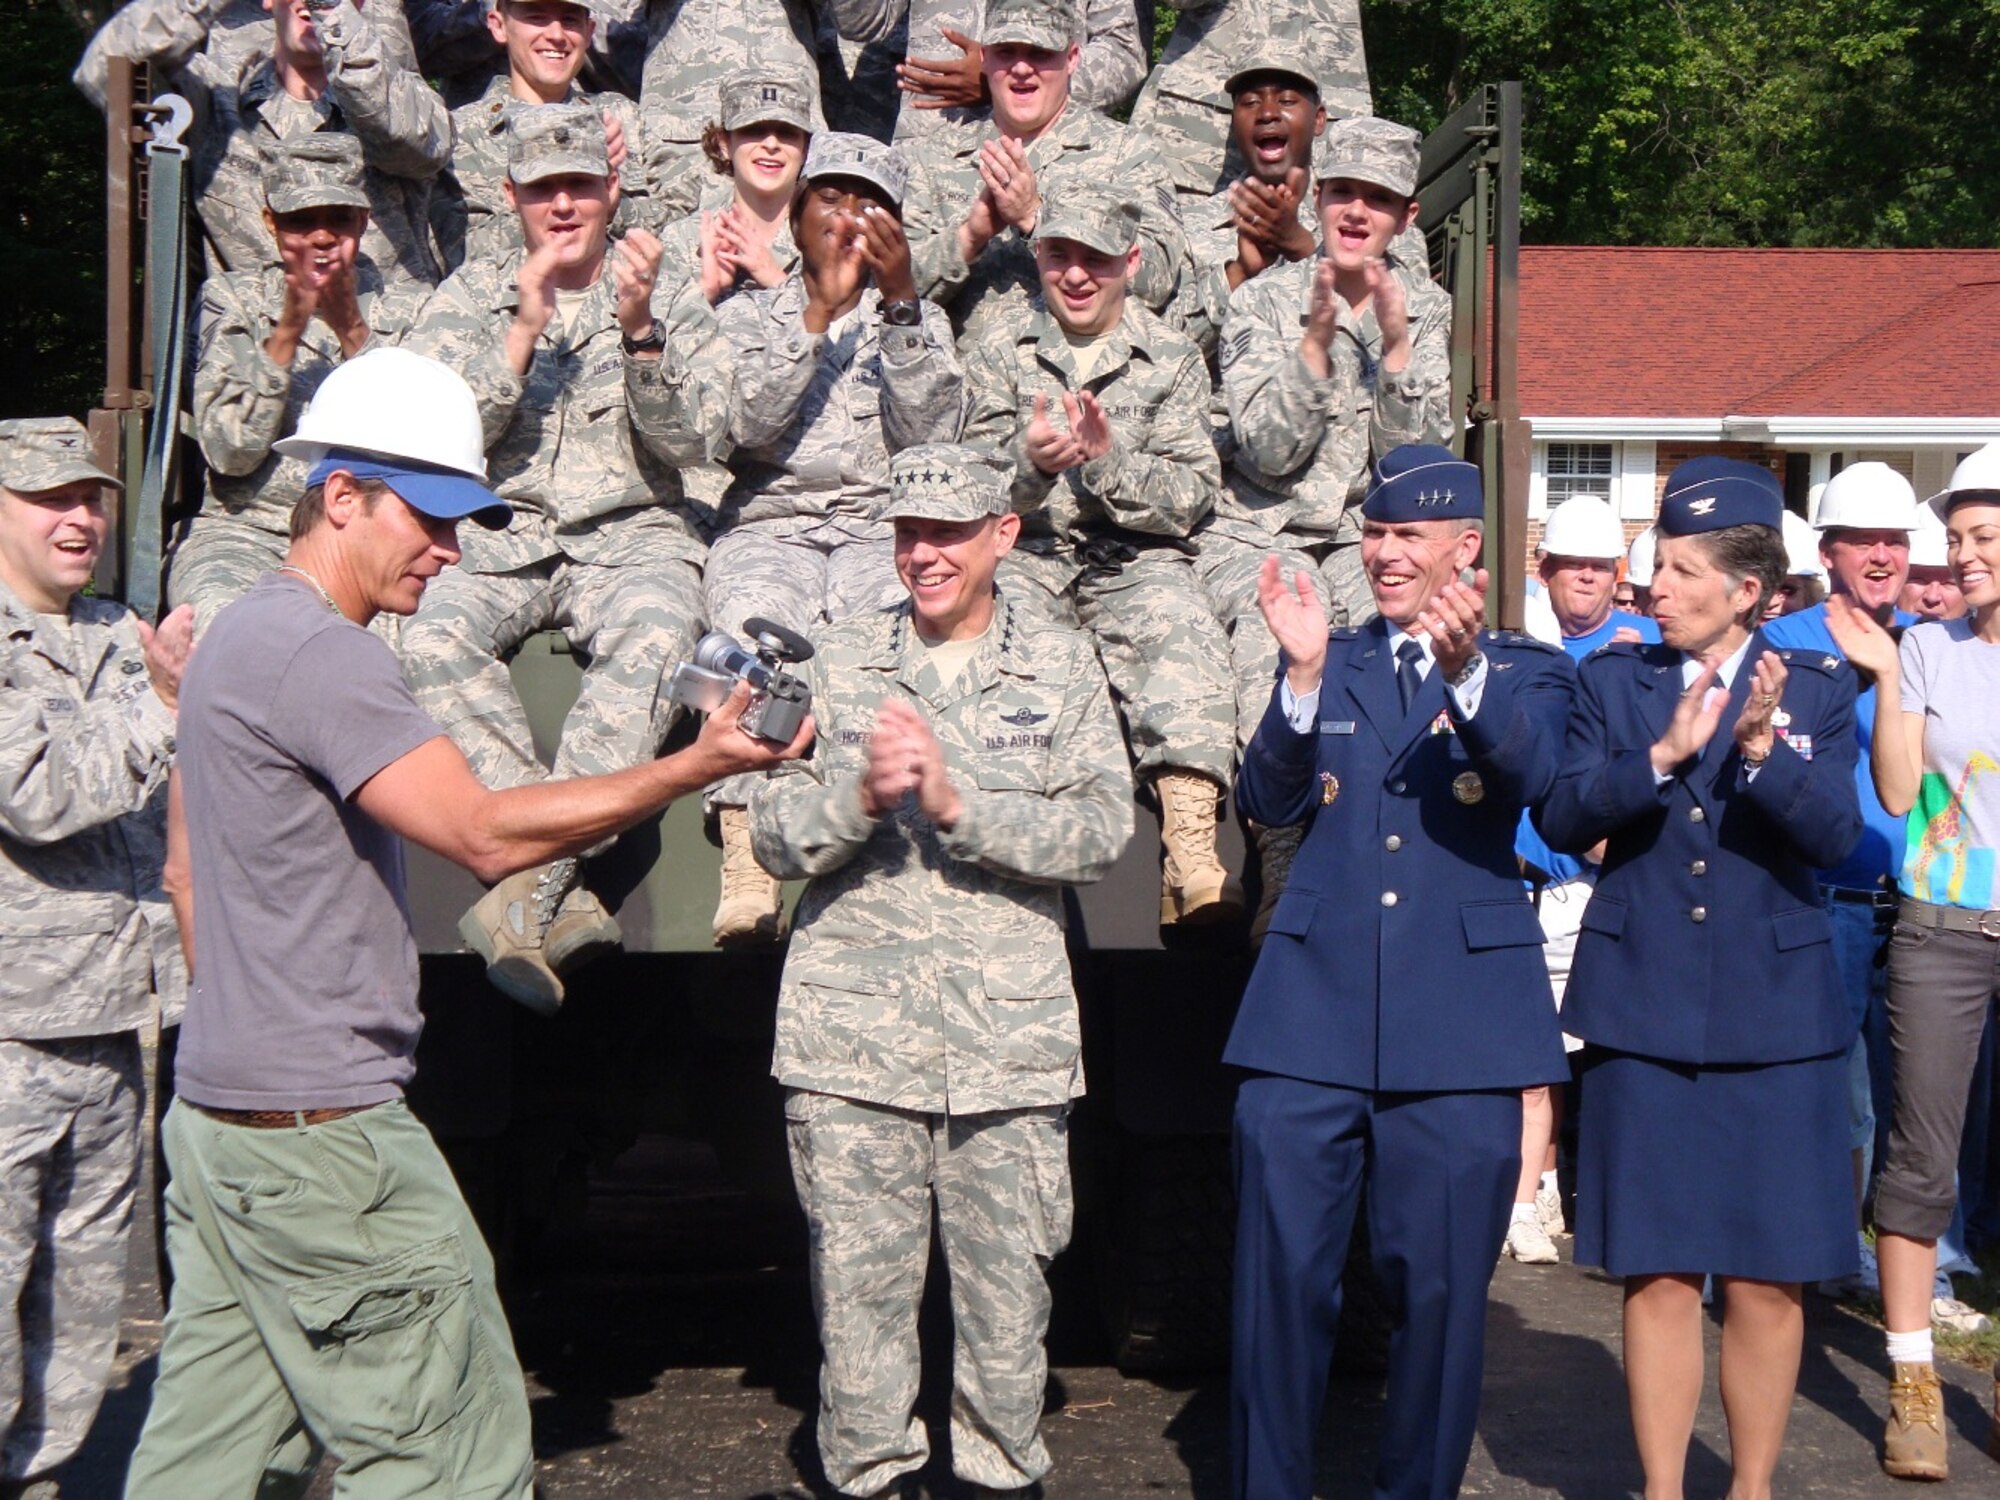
1738	1170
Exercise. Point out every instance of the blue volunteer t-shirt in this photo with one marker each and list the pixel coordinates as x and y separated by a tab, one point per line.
1528	842
1880	852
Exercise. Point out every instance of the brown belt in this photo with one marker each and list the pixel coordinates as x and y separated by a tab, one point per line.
276	1119
1950	918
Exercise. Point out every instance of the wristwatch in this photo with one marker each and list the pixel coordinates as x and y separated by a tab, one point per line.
654	341
906	312
1464	674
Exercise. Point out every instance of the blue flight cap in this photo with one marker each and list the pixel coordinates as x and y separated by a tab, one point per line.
1709	492
445	494
1424	482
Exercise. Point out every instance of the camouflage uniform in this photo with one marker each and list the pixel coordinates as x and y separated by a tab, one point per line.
241	113
813	422
1202	302
1112	63
601	543
86	937
1302	446
244	401
1185	107
692	46
1078	145
927	1028
473	218
1109	535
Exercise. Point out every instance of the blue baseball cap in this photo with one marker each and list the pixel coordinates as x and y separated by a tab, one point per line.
444	494
1709	492
1424	482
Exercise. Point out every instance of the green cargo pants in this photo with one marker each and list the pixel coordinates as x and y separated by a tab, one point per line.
331	1293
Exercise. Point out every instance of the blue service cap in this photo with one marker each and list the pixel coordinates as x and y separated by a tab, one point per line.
1424	482
1709	492
445	494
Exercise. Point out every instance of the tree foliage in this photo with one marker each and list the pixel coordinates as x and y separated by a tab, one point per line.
1722	122
51	217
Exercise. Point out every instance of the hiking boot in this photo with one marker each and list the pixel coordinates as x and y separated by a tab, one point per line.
582	931
1195	889
507	927
749	912
1913	1445
1276	849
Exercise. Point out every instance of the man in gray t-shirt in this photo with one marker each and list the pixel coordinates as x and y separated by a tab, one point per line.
330	1286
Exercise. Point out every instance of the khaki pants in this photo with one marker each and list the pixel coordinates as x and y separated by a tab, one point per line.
331	1293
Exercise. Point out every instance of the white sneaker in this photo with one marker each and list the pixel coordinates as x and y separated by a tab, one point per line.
1958	1317
1864	1282
1530	1244
1549	1209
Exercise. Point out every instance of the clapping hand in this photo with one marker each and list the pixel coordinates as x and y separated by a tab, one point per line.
1754	731
1453	620
1697	713
1298	620
904	757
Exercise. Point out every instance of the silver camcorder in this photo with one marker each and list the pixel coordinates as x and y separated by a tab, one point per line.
779	700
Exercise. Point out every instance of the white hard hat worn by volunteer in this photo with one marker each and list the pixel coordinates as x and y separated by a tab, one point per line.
1584	526
1867	496
408	420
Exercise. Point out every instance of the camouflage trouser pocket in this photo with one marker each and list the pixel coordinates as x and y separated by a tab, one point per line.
401	1339
1048	1207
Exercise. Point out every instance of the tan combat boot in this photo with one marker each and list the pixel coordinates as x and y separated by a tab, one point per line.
582	931
1276	849
1913	1445
1195	889
749	912
508	926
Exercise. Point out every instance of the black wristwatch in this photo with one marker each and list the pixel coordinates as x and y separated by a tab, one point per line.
654	341
907	312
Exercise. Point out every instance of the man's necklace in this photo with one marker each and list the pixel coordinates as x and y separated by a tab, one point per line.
318	587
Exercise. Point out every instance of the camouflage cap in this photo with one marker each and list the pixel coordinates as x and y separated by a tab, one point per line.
1369	149
1079	209
839	153
766	99
551	140
1272	56
1048	24
319	170
942	482
46	453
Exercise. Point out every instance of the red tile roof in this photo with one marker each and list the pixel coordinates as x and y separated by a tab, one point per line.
1642	332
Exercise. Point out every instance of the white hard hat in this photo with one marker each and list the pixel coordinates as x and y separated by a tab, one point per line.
1812	502
393	404
1802	547
1584	526
1868	496
1927	541
1977	472
1639	561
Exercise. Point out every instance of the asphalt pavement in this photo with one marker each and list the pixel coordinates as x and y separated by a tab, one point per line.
671	1353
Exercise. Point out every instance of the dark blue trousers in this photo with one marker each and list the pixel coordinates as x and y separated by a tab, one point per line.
1442	1169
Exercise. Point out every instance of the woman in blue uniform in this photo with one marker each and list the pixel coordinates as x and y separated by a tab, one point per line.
1713	1136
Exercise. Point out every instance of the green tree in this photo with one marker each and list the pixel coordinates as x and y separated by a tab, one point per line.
51	216
1721	122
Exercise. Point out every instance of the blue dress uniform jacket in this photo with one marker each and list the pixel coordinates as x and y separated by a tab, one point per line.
1707	892
1404	955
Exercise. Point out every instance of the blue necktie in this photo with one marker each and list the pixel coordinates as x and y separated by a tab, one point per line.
1409	671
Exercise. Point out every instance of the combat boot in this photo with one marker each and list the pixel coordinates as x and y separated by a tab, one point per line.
508	927
1913	1445
1276	849
1195	889
581	932
749	912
